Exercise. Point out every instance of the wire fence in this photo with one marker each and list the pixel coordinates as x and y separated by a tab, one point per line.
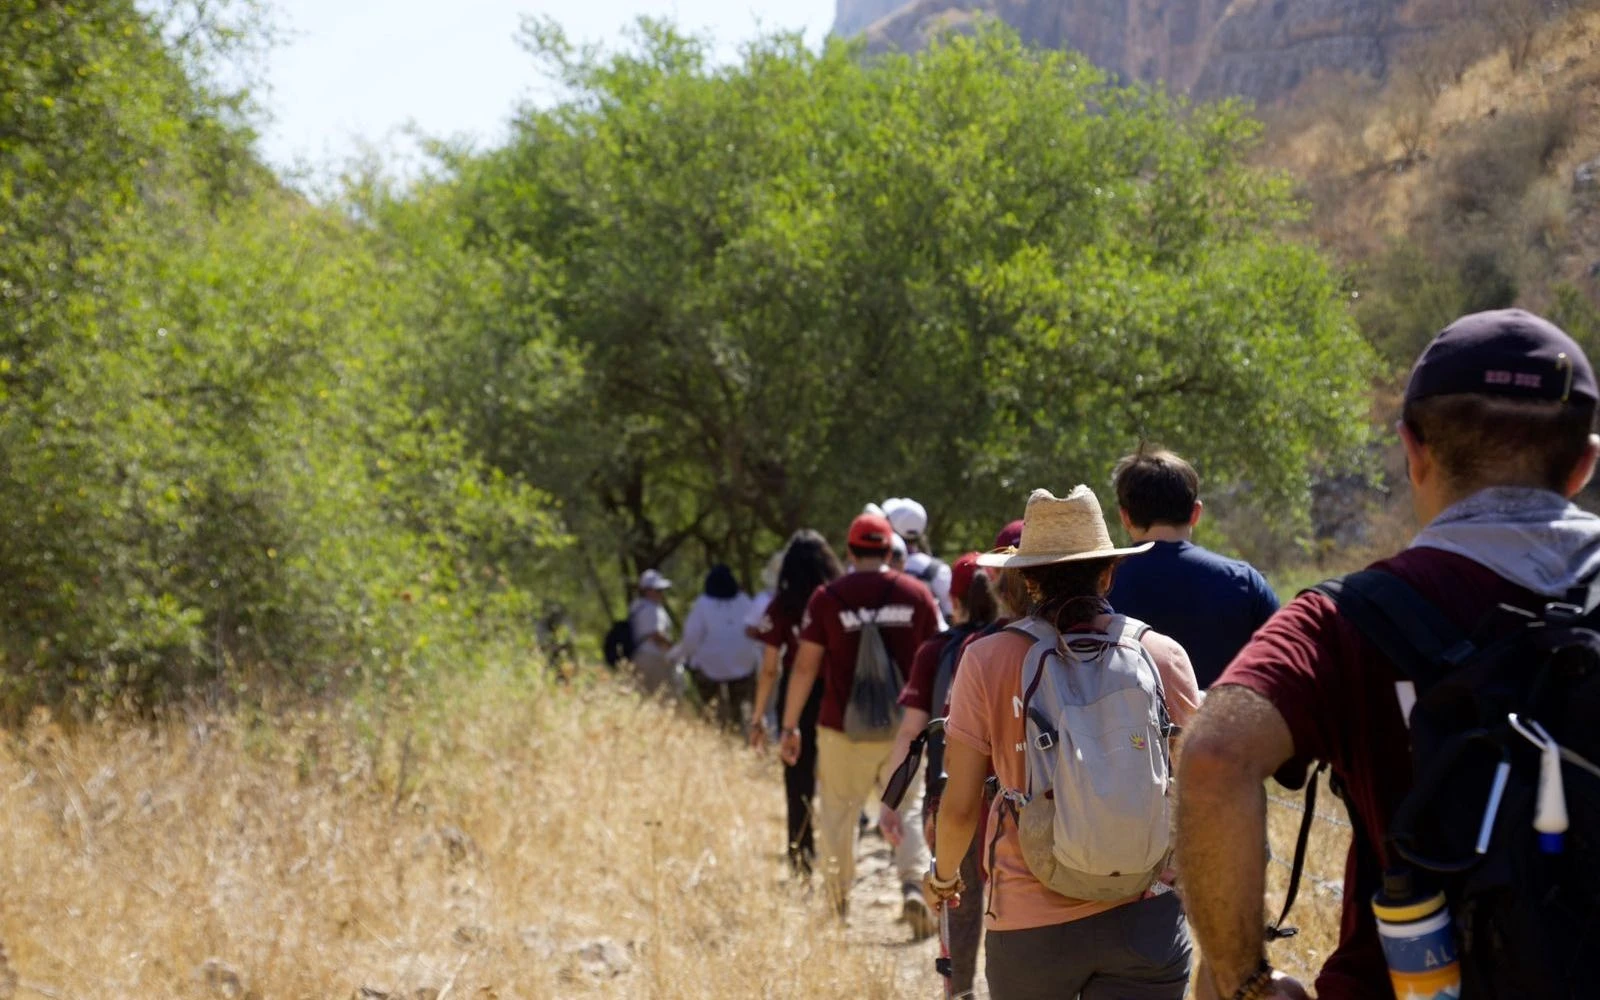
1296	805
1321	883
1298	956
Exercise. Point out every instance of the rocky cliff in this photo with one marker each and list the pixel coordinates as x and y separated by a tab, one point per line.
1262	49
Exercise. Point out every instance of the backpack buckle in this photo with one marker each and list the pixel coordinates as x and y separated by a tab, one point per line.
1045	741
1562	613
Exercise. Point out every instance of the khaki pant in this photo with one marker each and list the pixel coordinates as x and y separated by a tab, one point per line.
847	774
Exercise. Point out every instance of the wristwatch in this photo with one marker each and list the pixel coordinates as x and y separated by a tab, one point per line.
792	730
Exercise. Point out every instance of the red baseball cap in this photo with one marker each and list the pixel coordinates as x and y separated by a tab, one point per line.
1010	536
871	531
961	573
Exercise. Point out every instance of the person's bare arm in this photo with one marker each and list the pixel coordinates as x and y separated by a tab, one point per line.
766	686
1178	683
807	663
1234	744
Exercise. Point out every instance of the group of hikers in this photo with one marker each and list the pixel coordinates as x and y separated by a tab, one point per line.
1096	724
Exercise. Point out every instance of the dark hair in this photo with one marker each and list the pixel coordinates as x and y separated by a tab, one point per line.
721	584
1482	441
1156	487
808	563
861	553
981	600
1069	593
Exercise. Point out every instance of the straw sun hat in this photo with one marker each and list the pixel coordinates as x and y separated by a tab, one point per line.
1061	529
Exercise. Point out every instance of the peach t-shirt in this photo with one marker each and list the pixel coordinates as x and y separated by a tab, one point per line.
983	717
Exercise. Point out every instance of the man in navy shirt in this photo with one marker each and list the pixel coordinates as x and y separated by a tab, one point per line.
1211	604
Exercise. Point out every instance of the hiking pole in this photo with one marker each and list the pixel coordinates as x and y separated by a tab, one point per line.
943	964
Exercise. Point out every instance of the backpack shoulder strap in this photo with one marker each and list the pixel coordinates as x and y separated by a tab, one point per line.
888	591
1034	628
1045	638
1131	629
1586	598
1406	627
1276	931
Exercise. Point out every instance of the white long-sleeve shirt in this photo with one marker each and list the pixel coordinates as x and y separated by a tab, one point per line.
714	641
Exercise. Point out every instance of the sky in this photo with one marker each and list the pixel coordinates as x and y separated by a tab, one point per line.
355	72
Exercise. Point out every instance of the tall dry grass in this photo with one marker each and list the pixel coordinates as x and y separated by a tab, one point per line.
504	840
518	844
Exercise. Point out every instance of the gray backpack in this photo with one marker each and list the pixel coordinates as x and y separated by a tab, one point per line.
1095	819
873	711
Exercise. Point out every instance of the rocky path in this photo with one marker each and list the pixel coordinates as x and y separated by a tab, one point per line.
875	923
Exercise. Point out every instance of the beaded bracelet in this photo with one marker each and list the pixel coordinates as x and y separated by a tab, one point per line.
1258	986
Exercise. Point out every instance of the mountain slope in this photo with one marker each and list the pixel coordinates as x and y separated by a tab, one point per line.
1261	49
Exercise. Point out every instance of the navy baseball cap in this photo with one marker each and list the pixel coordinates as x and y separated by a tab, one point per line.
1507	352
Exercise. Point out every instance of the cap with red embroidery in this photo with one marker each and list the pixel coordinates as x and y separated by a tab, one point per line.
871	531
1506	352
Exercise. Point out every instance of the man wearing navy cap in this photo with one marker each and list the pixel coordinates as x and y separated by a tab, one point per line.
1498	429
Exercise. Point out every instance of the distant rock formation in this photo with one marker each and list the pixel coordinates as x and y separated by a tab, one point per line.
1261	49
851	17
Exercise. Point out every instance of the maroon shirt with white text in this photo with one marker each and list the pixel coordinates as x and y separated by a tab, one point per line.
906	617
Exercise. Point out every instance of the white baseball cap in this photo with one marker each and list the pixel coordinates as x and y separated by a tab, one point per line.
898	545
652	580
906	516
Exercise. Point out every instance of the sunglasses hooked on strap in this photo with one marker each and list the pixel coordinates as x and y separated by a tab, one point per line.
894	791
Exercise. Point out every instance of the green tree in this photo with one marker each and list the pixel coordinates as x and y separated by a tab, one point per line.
810	279
217	458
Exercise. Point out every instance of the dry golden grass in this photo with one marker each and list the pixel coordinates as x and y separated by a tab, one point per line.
1316	911
505	841
528	844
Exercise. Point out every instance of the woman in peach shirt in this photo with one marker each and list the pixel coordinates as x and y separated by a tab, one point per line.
1042	944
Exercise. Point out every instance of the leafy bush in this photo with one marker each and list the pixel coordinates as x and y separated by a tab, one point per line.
217	461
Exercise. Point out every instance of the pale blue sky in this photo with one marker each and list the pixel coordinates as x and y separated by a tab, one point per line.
361	69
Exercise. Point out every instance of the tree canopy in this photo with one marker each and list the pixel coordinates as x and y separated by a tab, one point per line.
684	310
810	279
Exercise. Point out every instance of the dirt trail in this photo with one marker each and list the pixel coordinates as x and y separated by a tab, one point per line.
875	922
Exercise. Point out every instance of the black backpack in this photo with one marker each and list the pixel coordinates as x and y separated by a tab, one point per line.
1526	921
943	679
618	644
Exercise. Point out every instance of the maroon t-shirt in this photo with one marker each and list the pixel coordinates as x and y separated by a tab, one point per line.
780	631
906	617
918	692
1337	694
